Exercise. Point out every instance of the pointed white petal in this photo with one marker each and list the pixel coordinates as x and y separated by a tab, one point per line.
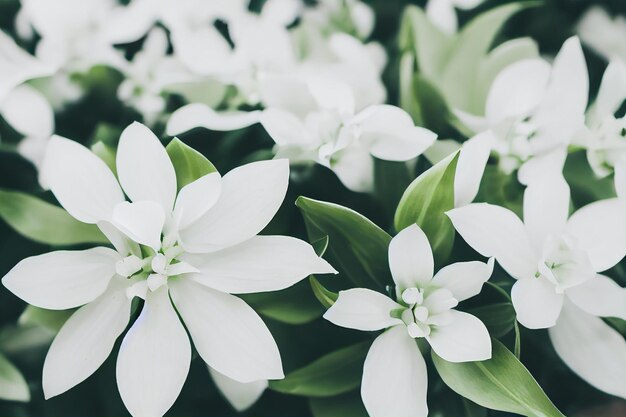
599	296
363	309
263	263
82	182
144	168
251	195
536	302
411	258
63	279
394	377
470	167
592	349
154	358
142	222
200	115
227	333
546	208
197	198
86	340
599	230
495	231
464	339
28	112
240	395
464	279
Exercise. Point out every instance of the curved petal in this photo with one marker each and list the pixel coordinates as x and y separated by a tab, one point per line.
464	279
284	127
227	333
197	198
592	349
28	112
260	264
495	231
144	168
196	115
363	309
355	169
411	258
536	302
82	182
240	395
599	229
395	379
251	195
599	296
86	340
546	208
470	167
142	222
154	358
63	279
464	339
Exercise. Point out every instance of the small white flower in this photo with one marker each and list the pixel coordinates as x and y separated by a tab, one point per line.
394	375
184	252
443	15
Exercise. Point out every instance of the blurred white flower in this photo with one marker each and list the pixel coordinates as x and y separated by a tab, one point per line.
443	15
603	33
556	262
394	374
196	246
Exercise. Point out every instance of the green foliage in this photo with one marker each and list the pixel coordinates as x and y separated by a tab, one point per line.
13	386
189	164
50	319
326	297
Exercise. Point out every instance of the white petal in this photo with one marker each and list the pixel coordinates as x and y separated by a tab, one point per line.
82	182
470	167
331	94
240	395
63	279
442	14
592	349
227	333
612	90
363	309
142	222
144	168
200	115
495	231
355	169
251	195
202	49
411	258
548	164
599	230
394	377
28	112
464	279
536	302
599	296
263	263
464	339
154	358
197	198
284	127
86	340
546	208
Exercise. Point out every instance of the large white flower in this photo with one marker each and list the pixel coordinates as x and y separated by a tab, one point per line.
394	375
556	262
534	109
183	251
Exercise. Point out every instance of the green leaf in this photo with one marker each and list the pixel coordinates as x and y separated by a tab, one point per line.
499	318
46	223
294	305
326	297
425	202
347	405
320	245
356	245
13	386
390	180
407	97
501	383
332	374
189	164
50	319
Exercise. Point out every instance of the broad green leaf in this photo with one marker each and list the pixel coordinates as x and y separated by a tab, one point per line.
326	297
43	222
499	318
13	386
356	245
347	405
501	383
188	163
50	319
425	202
333	374
294	305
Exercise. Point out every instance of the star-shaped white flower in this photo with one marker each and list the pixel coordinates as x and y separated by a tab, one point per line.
394	375
184	252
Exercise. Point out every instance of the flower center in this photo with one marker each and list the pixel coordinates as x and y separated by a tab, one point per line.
564	264
425	309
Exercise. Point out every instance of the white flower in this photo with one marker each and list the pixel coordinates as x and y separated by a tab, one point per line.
394	375
556	262
603	33
534	109
196	246
443	15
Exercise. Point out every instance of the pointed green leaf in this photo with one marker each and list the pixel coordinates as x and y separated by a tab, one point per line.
501	383
13	386
326	297
499	318
188	163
